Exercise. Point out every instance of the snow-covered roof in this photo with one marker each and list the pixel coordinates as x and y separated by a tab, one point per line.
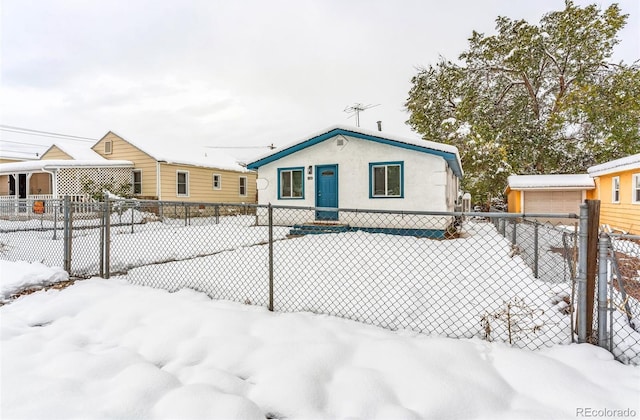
49	165
77	151
448	152
560	182
181	154
618	165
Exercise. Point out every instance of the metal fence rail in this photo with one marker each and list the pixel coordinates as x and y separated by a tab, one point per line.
496	276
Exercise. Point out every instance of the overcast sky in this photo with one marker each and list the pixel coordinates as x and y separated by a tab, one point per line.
233	73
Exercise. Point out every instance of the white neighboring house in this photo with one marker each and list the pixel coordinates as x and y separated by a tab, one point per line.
350	168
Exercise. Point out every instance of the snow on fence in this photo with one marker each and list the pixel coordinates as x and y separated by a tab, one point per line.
447	274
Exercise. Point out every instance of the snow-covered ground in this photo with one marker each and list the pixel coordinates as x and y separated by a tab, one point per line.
474	286
110	349
437	287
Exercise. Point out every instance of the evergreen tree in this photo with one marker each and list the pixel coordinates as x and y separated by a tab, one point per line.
532	99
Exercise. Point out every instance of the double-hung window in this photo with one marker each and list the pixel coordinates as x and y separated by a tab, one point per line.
615	189
291	183
137	182
635	191
386	180
217	181
243	186
182	183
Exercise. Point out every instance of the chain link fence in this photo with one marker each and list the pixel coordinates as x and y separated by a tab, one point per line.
435	273
498	277
623	303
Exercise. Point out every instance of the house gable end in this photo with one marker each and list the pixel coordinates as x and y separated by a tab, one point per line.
113	136
54	152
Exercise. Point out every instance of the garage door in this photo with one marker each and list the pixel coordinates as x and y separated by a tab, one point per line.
552	201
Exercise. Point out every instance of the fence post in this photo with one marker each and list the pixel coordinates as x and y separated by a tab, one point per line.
503	227
132	216
217	213
66	236
107	238
536	228
270	257
582	275
593	210
103	217
514	238
603	276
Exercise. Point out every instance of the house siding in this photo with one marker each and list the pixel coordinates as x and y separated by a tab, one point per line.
428	183
427	192
514	201
55	153
123	150
200	188
624	215
6	160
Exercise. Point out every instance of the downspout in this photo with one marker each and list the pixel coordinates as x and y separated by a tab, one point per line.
158	182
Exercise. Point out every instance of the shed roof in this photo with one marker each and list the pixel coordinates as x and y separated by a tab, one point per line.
618	165
447	152
558	182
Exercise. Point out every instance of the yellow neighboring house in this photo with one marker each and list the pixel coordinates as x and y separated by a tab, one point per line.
186	175
190	175
618	189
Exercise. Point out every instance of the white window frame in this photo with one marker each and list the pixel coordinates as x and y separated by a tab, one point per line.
219	179
635	189
186	193
108	147
240	186
615	189
376	165
282	172
133	181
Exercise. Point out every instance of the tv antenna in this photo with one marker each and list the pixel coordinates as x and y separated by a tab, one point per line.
356	109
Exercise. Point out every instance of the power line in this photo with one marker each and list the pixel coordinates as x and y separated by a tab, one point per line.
31	132
20	151
271	146
23	143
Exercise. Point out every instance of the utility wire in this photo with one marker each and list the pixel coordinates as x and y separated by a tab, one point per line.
23	143
31	132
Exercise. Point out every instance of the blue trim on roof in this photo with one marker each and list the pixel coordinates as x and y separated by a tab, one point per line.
450	158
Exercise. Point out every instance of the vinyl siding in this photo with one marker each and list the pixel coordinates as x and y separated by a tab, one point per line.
200	188
4	184
123	150
6	160
513	201
55	153
624	215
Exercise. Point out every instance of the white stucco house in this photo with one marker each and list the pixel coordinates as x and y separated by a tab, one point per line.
350	169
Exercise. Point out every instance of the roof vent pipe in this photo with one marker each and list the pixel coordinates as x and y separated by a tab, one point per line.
379	125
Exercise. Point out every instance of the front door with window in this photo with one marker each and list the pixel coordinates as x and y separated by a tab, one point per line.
327	191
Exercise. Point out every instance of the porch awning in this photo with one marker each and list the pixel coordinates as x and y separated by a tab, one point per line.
52	165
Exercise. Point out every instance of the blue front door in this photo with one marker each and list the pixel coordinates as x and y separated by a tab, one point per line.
327	191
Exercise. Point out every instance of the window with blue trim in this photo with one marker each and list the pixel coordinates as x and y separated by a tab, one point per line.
291	183
386	180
